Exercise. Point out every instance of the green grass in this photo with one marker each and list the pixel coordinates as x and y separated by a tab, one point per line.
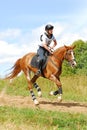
3	84
30	119
74	87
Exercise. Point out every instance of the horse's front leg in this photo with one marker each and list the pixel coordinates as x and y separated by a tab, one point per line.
59	85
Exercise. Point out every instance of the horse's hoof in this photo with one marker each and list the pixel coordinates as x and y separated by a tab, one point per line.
51	93
59	99
39	94
36	102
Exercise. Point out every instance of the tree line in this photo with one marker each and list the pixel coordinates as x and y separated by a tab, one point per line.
81	59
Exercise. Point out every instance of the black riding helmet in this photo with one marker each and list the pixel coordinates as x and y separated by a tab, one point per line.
48	27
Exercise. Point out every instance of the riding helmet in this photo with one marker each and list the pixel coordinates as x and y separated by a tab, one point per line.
48	27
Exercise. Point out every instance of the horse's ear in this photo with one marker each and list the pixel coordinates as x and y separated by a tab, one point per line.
69	47
73	46
66	47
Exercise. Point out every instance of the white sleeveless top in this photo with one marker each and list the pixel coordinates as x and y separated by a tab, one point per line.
45	39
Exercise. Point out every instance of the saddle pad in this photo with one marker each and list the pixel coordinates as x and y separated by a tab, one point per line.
35	62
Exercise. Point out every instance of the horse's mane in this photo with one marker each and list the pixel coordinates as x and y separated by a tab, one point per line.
59	49
63	48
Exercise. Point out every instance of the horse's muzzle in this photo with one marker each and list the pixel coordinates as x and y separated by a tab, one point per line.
73	63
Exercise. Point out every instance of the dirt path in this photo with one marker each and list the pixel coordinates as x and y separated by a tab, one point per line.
26	102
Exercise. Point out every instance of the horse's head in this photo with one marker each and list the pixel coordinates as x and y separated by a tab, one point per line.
69	55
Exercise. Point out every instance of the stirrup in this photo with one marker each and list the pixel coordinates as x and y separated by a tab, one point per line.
38	72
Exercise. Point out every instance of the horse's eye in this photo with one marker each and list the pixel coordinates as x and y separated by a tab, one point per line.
69	53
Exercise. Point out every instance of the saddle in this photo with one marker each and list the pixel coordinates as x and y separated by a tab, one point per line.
35	62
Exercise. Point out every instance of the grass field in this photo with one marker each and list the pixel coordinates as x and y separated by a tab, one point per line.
74	87
13	118
30	119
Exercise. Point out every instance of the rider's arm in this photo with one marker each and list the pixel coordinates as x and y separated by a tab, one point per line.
46	47
55	43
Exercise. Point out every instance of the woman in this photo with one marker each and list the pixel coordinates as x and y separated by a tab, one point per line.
44	47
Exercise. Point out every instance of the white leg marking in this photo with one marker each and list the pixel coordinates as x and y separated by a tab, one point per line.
39	94
60	98
51	93
36	102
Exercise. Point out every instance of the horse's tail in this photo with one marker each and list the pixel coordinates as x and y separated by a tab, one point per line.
16	70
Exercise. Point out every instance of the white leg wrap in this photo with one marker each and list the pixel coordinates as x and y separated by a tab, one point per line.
51	93
39	94
36	102
60	98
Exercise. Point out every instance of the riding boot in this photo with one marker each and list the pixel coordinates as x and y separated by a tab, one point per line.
38	72
39	68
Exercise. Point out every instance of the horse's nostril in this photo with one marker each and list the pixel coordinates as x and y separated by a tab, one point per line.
74	64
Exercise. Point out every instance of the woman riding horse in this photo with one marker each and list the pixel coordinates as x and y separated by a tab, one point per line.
45	48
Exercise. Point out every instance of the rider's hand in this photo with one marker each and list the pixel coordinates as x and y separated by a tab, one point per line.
51	52
51	47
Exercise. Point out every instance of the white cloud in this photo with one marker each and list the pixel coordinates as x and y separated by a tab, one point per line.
10	33
59	29
10	52
8	49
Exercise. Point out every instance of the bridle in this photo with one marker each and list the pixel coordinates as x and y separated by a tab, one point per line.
69	52
70	61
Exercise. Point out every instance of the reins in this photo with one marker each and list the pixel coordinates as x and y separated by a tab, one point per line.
58	59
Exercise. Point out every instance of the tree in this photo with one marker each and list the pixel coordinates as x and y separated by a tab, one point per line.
81	59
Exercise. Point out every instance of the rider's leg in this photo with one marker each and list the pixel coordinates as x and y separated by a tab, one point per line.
39	67
40	52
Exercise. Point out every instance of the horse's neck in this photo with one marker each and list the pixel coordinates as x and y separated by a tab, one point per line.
59	53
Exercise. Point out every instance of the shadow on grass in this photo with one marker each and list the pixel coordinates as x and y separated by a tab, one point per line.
66	104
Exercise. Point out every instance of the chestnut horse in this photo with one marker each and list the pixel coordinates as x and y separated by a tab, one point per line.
52	70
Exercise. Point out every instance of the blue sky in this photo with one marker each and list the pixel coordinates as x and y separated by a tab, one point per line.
22	22
29	14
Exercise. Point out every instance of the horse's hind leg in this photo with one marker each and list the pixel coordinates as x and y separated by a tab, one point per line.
30	87
38	89
33	80
34	97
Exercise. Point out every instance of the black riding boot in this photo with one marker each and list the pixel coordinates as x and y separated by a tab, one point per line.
39	67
